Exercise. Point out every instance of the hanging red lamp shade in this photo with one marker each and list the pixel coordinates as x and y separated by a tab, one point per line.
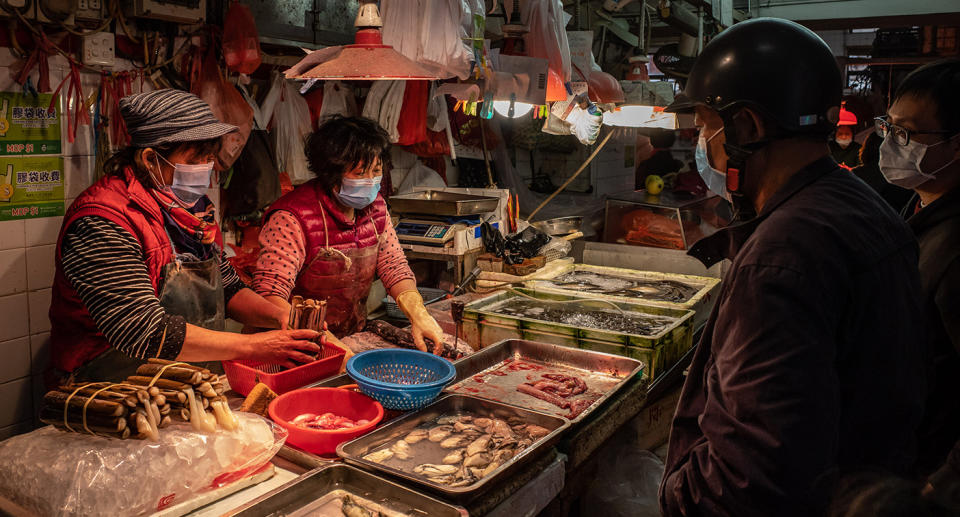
368	59
603	88
847	118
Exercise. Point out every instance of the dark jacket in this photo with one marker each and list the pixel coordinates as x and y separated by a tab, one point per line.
808	367
937	228
848	156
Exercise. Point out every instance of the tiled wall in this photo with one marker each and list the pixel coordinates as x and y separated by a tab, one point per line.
26	274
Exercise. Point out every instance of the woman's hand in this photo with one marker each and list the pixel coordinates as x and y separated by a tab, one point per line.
422	323
283	347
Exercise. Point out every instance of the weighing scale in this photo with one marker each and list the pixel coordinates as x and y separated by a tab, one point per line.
432	230
433	217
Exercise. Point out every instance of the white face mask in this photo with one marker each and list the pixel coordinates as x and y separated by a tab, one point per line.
844	142
190	181
900	164
716	180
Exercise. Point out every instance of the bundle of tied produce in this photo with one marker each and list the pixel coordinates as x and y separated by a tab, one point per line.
307	314
142	405
189	392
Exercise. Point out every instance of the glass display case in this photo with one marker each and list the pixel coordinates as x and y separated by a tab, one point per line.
671	220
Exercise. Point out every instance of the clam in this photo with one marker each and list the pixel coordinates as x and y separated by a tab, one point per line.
479	445
454	441
460	427
536	432
415	436
490	468
500	428
442	480
503	455
454	457
379	456
438	433
452	419
481	459
402	450
482	422
431	470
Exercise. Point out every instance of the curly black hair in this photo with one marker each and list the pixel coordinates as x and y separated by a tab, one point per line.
341	144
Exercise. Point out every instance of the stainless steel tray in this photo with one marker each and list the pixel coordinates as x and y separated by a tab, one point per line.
560	225
354	451
307	494
437	202
603	373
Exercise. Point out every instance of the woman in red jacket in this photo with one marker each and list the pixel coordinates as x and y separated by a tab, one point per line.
331	236
140	271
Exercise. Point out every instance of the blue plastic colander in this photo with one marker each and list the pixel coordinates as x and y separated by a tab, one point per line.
400	379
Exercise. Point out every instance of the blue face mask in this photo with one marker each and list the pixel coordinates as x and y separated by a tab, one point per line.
359	193
716	180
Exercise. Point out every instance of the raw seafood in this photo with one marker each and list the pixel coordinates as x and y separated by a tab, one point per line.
555	388
404	339
415	436
635	323
461	450
402	450
326	421
437	434
352	509
598	283
379	456
454	457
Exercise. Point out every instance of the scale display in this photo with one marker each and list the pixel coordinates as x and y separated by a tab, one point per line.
428	232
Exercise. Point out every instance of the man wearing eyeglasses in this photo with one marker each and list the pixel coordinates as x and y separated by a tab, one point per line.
921	151
808	367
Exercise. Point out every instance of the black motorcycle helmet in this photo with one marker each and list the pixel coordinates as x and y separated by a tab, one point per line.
775	66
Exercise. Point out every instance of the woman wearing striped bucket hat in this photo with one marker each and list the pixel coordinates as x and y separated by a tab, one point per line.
140	271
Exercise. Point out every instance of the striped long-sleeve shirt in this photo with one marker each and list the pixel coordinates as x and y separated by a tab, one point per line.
105	265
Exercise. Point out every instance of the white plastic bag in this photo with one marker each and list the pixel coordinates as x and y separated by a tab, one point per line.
420	176
384	104
547	37
50	472
291	125
584	125
338	99
432	32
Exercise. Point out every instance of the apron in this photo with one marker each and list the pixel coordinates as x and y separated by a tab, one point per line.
192	289
343	279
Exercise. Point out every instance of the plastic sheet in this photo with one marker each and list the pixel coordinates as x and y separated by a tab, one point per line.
49	472
291	125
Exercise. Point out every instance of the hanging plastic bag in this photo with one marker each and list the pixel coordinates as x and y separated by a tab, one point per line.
241	45
420	176
338	99
431	32
384	104
291	125
412	124
228	105
547	39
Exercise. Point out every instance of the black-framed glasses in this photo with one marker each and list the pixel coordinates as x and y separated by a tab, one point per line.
901	135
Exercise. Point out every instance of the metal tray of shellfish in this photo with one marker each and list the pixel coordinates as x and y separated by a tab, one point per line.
550	375
339	489
457	445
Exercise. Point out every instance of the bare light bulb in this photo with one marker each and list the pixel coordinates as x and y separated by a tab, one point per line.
519	108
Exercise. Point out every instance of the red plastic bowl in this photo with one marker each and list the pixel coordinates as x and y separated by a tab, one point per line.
342	402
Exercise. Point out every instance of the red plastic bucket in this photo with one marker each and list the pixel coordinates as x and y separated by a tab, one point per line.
339	401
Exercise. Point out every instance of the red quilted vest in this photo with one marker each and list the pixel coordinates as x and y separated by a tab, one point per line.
74	338
362	232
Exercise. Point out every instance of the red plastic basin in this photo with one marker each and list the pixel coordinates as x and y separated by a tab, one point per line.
342	402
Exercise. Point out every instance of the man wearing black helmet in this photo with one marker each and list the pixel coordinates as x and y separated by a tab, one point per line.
808	368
